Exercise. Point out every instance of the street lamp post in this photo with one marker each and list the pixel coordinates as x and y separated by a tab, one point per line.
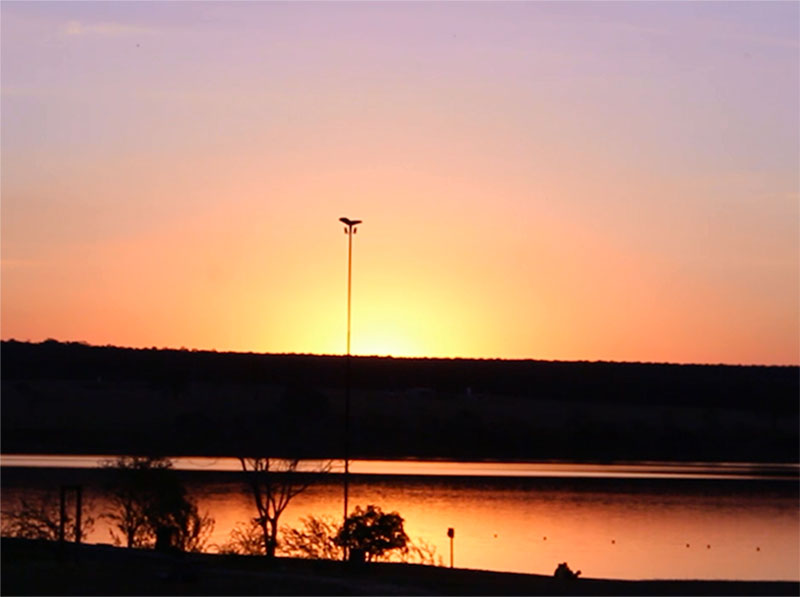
350	230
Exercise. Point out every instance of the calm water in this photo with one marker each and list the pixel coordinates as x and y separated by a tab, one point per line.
631	521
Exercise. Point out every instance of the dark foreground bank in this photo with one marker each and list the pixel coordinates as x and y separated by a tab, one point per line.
45	568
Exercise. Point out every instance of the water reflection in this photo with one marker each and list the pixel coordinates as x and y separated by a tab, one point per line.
629	528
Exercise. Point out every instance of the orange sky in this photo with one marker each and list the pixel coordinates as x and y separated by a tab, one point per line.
602	181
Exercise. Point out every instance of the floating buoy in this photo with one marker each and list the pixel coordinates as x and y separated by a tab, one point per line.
544	538
758	549
687	545
708	547
613	541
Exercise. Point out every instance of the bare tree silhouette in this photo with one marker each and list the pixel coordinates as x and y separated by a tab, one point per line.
39	517
273	483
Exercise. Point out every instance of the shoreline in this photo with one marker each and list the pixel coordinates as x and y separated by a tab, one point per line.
34	567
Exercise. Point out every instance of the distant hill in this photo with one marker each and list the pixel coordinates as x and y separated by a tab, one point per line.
71	396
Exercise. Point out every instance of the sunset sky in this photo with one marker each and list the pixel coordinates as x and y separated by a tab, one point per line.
600	181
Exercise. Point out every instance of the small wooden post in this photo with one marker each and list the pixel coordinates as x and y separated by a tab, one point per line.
451	532
62	521
78	496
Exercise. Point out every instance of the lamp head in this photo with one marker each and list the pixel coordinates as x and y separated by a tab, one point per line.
349	222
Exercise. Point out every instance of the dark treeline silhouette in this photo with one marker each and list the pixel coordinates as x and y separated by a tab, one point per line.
730	386
75	397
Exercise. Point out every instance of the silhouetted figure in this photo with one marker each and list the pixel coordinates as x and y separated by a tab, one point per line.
564	573
357	556
165	539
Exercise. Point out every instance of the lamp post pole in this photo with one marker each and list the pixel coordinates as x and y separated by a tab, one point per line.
350	230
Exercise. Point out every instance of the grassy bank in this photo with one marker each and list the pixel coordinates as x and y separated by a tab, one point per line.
44	568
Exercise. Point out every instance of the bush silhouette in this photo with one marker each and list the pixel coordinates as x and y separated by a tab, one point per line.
372	532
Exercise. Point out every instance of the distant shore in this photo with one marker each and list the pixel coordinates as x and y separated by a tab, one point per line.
71	398
46	568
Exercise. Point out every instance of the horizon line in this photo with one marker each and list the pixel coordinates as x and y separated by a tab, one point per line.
409	358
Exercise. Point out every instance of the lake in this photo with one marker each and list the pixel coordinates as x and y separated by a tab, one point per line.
736	521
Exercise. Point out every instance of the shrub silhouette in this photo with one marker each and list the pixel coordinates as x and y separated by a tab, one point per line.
314	540
372	532
245	539
563	572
